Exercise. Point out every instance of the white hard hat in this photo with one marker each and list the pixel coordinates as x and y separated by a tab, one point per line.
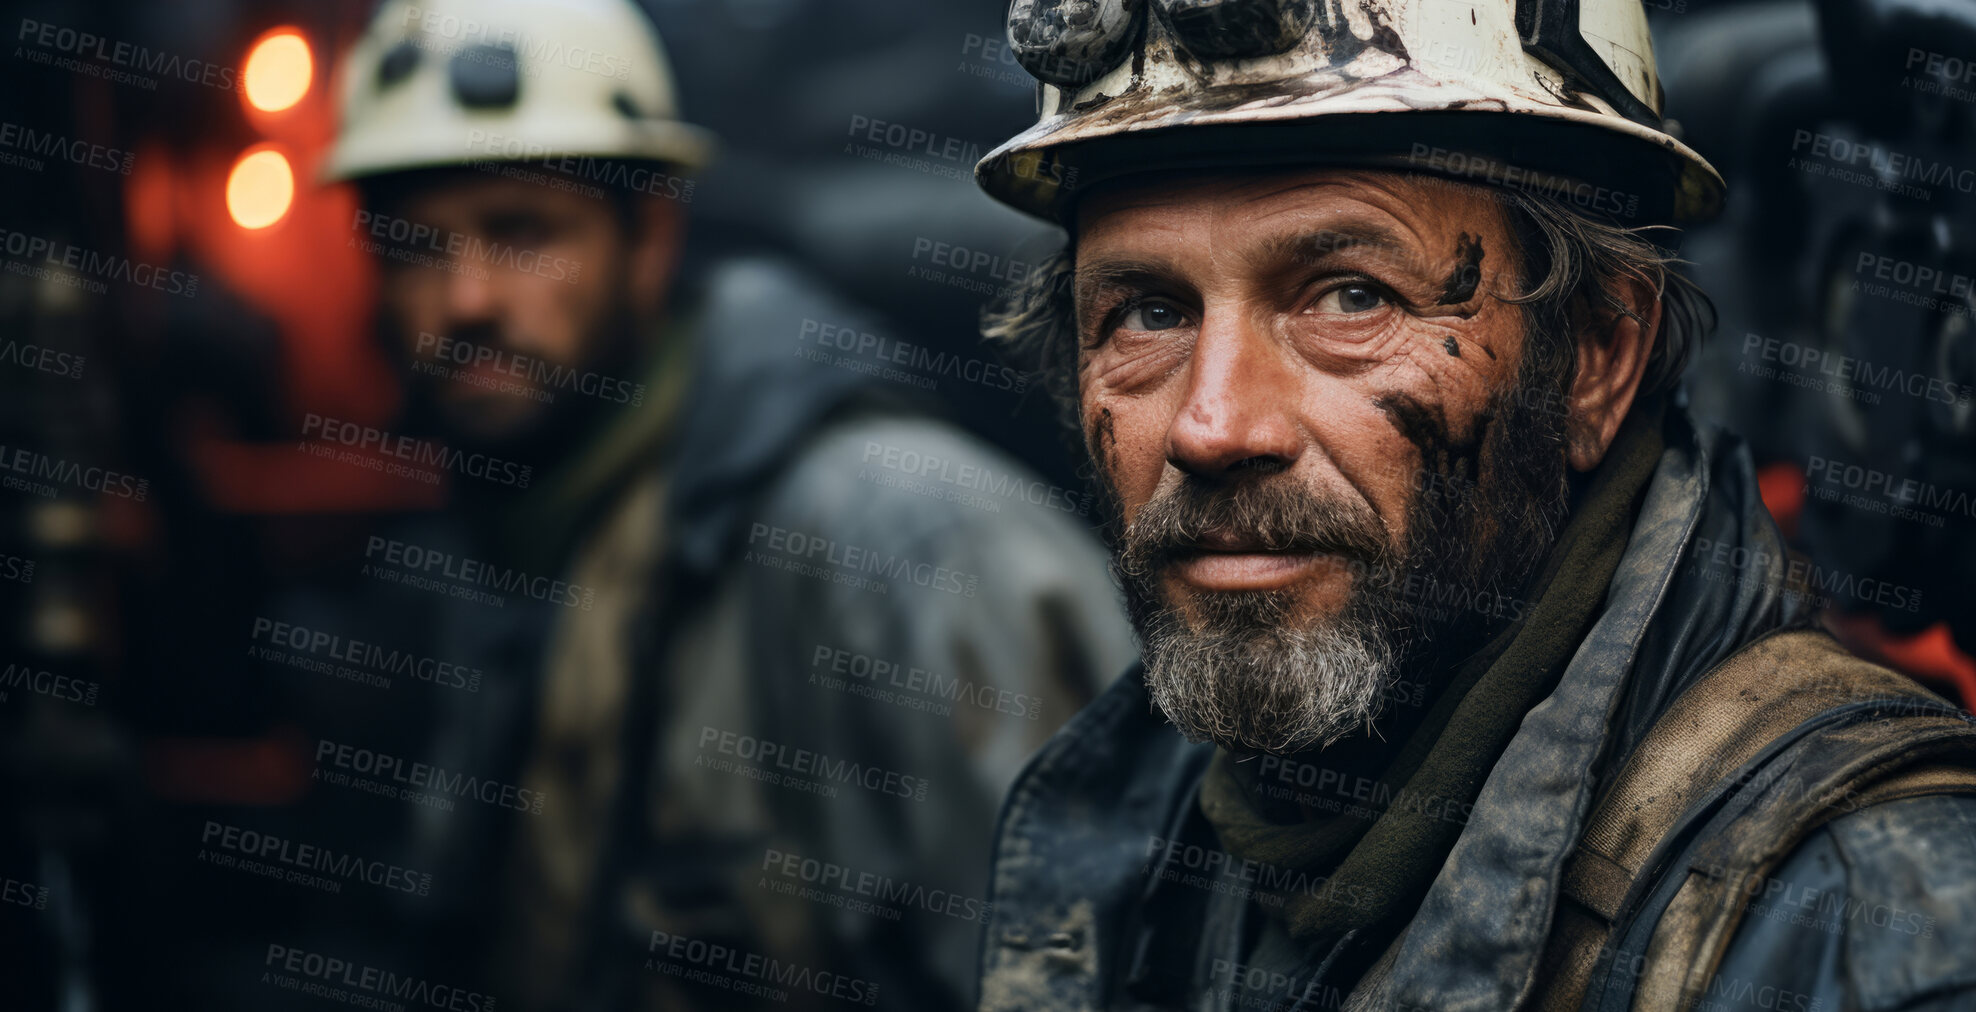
1559	96
451	82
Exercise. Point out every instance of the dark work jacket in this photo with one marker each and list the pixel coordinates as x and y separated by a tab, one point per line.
1110	891
629	714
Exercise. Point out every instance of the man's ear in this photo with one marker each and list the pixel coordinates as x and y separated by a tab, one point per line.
653	255
1613	348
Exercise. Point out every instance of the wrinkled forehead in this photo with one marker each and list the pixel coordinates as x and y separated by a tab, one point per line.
1261	218
1405	201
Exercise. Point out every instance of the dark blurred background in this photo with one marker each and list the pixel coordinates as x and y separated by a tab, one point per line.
131	713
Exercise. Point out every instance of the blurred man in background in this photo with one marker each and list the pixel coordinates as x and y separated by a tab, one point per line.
766	668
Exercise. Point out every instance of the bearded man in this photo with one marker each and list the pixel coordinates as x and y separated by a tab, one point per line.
1490	687
769	645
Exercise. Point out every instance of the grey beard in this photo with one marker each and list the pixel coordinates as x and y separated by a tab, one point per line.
1266	686
1248	675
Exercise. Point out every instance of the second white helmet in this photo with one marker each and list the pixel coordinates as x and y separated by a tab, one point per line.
450	82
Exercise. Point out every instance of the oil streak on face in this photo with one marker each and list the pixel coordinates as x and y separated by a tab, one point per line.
1442	453
1460	284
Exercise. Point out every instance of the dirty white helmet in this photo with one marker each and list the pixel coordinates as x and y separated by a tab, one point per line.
450	82
1554	96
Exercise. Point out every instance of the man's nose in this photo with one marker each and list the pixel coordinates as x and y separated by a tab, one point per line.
1240	409
470	298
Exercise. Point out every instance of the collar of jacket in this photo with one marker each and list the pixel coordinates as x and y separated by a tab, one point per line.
1670	616
1100	818
541	530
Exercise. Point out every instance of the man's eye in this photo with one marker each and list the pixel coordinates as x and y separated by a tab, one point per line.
1351	299
1152	315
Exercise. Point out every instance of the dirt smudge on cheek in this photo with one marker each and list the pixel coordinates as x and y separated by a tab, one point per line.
1104	446
1442	453
1461	283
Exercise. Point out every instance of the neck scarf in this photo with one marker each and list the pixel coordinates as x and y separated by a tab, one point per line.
1374	855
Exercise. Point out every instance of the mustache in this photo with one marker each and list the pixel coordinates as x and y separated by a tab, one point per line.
1277	516
492	336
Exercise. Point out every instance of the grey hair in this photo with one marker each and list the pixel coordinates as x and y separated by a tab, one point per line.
1580	260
